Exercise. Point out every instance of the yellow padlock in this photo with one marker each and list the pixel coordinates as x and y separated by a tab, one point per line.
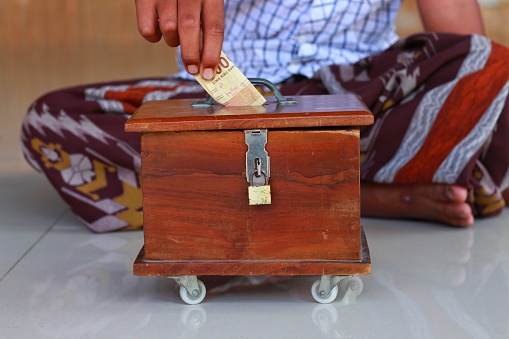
259	195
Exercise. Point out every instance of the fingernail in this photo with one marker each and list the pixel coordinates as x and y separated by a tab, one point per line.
450	193
208	74
192	69
467	222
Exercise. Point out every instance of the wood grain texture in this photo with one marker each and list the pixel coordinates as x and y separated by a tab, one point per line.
310	111
196	203
165	268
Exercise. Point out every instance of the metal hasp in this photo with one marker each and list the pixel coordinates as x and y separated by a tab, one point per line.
257	158
257	167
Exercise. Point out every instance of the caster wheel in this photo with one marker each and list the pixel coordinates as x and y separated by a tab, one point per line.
193	299
323	299
353	284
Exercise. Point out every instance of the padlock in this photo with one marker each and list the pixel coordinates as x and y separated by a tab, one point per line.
259	195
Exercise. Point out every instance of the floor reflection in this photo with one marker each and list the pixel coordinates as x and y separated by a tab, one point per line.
443	280
192	317
426	282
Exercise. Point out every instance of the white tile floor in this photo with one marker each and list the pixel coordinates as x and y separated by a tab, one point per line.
58	280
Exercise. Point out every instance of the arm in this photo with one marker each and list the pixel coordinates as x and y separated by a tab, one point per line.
184	23
452	16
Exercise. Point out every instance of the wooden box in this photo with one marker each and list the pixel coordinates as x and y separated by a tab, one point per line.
197	216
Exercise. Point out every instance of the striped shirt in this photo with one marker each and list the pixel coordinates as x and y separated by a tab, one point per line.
277	39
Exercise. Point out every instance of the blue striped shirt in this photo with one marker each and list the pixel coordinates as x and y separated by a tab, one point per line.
277	39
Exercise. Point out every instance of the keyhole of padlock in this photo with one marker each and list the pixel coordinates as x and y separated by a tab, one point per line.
258	167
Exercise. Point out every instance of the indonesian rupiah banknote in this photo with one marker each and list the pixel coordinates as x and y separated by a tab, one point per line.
230	87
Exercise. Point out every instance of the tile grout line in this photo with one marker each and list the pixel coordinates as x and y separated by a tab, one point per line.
34	244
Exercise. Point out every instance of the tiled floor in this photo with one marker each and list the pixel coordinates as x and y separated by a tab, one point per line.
58	280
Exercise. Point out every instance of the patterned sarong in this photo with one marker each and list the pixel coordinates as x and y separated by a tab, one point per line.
441	116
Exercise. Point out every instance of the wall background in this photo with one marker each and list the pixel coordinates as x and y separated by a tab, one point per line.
105	22
495	14
48	44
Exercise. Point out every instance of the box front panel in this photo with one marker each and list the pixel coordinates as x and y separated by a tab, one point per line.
195	197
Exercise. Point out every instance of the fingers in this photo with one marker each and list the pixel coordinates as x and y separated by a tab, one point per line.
189	28
213	33
168	21
201	20
156	19
188	23
147	20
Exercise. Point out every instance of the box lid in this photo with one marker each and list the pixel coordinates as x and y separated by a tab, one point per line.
309	111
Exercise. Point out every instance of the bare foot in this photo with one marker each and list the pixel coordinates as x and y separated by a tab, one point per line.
435	202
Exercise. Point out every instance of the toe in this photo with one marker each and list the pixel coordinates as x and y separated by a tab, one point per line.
456	214
450	193
466	221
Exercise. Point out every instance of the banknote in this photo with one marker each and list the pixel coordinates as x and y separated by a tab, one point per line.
230	87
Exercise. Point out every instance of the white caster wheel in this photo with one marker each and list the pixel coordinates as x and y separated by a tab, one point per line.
323	299
353	284
197	296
